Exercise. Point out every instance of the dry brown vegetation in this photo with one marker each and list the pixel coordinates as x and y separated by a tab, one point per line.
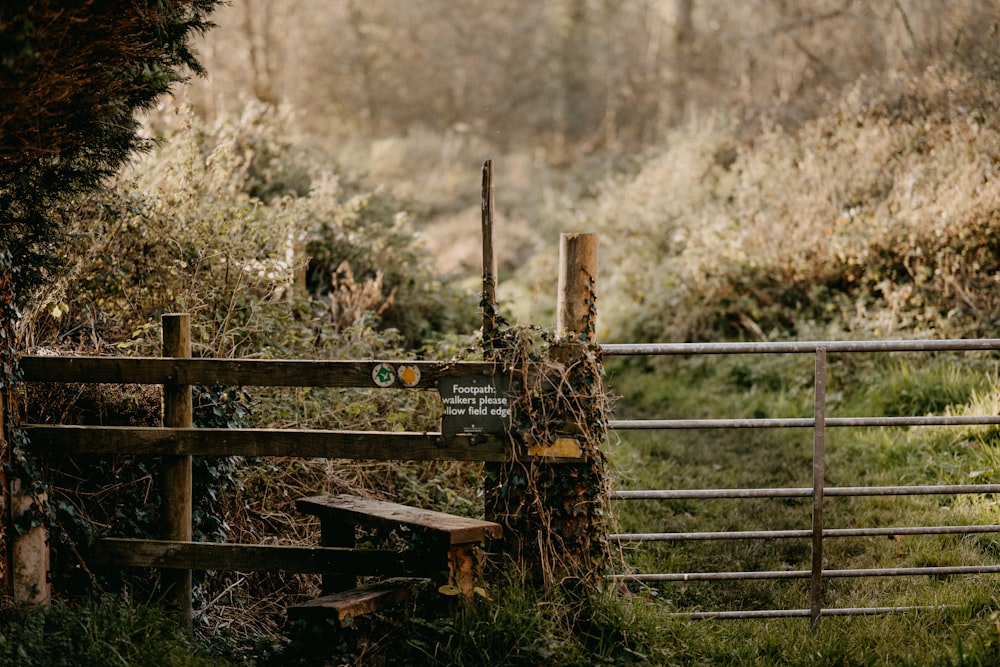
877	219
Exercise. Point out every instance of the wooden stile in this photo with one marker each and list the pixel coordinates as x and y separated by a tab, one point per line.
345	605
450	544
448	528
453	541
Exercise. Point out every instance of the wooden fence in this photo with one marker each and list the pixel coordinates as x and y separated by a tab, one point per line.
176	441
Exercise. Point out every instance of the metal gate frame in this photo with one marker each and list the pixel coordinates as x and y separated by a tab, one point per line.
819	422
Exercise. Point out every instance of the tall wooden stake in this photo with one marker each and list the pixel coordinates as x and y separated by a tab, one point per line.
491	315
177	501
493	473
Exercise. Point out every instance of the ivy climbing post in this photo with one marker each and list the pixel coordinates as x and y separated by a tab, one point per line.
576	307
578	490
551	496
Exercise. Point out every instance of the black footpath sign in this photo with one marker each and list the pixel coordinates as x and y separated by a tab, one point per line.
474	405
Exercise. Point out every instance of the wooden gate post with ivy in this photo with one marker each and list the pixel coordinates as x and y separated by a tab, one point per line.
551	496
579	491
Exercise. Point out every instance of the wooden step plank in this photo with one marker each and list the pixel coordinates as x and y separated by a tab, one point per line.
365	511
246	557
354	602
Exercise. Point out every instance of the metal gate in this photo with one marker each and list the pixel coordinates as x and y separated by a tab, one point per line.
819	422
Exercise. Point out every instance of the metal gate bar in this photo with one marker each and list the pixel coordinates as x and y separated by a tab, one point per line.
936	570
819	474
793	613
801	422
799	534
842	491
800	347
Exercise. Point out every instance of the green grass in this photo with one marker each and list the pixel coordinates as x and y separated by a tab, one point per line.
102	632
526	626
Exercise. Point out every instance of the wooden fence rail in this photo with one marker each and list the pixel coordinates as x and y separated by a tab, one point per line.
240	372
306	443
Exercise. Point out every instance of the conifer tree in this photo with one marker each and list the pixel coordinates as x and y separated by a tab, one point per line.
72	76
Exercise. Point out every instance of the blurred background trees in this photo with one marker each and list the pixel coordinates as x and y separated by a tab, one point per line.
570	76
413	96
636	118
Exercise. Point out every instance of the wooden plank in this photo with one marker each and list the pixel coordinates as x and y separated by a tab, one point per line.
237	372
354	602
152	440
365	511
120	552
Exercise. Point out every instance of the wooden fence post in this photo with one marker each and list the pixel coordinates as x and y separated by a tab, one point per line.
177	501
582	484
575	308
26	566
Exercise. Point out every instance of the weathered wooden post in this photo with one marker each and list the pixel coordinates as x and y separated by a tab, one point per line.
177	492
26	566
576	312
491	314
579	484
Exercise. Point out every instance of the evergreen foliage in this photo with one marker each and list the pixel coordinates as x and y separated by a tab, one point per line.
71	77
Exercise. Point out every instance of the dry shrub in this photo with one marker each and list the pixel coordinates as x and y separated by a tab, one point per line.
876	219
349	301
